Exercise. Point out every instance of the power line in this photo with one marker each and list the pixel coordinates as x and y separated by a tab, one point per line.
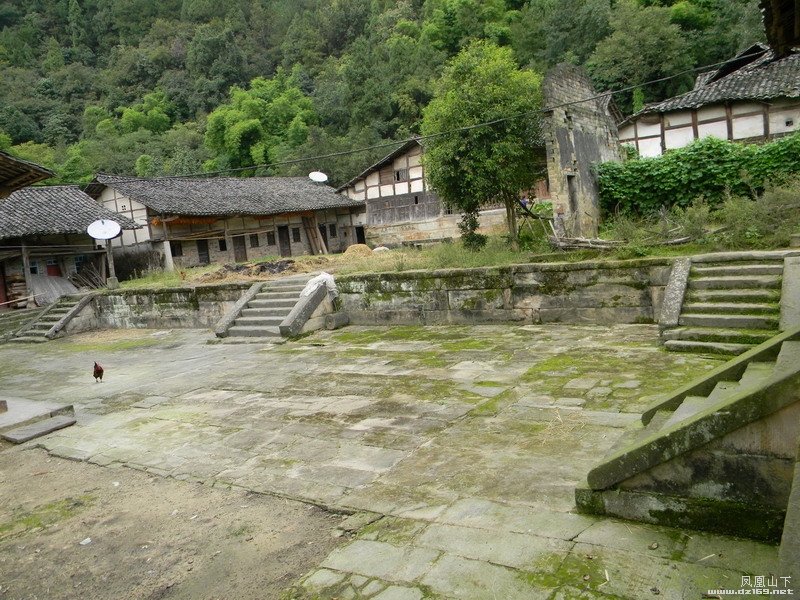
421	138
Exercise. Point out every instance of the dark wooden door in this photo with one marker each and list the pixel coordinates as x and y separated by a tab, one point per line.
283	240
203	256
239	249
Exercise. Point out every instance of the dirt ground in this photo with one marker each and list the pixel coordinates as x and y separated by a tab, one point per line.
75	530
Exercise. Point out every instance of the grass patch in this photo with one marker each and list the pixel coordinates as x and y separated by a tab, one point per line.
42	517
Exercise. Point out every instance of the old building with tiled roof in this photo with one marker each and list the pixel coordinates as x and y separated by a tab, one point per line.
754	97
43	231
196	221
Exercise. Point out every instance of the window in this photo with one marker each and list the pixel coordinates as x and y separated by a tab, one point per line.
416	199
254	240
223	245
270	238
177	248
332	230
296	234
401	175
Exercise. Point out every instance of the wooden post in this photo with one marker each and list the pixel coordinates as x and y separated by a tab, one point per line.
26	267
112	282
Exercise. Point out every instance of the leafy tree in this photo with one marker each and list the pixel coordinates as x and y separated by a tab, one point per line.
573	28
270	114
644	46
470	164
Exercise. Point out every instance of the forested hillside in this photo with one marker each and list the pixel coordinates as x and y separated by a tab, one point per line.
146	87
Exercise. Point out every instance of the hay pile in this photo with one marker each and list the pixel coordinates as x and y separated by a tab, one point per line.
358	250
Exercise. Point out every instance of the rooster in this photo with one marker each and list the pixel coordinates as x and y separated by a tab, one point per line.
98	373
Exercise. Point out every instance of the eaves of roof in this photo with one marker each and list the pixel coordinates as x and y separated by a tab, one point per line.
16	173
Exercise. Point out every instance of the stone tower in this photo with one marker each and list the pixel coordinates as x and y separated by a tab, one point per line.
579	133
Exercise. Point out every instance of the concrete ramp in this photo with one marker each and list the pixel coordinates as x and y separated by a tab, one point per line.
718	454
48	288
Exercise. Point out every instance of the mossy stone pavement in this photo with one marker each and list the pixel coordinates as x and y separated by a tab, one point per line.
456	449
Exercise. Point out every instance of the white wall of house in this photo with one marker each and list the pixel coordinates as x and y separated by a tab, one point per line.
749	121
113	200
404	175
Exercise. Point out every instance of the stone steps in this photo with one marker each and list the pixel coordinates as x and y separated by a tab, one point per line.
263	314
50	316
32	431
25	419
715	434
729	307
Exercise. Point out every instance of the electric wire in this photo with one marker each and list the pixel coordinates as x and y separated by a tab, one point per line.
421	138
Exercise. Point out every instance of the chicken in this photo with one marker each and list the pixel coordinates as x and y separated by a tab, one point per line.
98	373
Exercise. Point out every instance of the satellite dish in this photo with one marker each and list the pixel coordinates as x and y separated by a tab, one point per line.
318	177
104	229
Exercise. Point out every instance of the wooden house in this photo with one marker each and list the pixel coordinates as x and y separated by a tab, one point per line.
43	235
753	98
196	221
400	206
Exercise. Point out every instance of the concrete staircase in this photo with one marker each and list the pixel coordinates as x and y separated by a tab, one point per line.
729	306
22	420
717	454
262	315
36	330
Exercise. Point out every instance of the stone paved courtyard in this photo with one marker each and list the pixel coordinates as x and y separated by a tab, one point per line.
457	449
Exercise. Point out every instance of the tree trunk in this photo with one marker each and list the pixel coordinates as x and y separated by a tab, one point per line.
511	222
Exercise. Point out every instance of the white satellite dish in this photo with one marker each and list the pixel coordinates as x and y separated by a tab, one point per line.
104	229
318	177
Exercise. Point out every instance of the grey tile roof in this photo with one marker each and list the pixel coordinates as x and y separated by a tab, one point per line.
50	210
222	196
762	79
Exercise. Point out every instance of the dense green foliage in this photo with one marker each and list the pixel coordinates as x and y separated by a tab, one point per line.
709	169
171	87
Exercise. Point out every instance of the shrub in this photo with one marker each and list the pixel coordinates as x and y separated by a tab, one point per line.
709	168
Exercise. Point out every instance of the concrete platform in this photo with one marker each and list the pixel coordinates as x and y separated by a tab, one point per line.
457	449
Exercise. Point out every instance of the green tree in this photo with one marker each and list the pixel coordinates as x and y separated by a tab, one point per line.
470	164
573	28
273	113
644	46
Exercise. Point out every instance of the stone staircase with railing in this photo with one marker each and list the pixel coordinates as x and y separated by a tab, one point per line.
262	315
718	454
731	304
41	327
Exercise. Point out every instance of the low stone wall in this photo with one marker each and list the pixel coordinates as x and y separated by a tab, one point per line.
192	307
589	292
596	292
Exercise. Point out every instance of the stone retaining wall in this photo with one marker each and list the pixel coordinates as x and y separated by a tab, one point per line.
196	308
597	292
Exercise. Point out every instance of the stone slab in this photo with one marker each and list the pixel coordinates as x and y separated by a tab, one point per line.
22	411
38	429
